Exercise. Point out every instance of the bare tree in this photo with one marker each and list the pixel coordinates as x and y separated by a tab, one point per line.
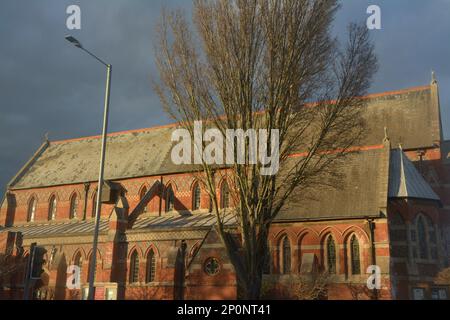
273	65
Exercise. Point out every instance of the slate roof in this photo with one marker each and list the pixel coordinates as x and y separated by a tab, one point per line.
362	191
370	177
405	181
156	223
204	220
72	228
410	116
407	114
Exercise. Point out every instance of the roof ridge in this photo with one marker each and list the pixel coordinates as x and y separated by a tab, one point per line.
174	124
118	133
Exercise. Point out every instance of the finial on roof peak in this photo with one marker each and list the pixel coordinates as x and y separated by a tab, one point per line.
433	77
386	135
46	139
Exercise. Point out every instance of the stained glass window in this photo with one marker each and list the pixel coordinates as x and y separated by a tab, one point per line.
134	267
196	197
355	257
331	255
141	196
31	209
151	267
94	205
169	199
225	195
286	250
212	266
52	208
77	261
73	206
422	238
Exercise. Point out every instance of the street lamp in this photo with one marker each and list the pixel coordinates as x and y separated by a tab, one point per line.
92	265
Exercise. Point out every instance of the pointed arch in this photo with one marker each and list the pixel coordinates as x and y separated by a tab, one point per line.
78	259
150	272
335	232
422	239
355	255
224	195
94	203
32	205
136	248
330	253
307	231
171	182
99	255
142	193
196	196
362	235
133	276
74	205
79	252
169	198
98	266
52	207
284	255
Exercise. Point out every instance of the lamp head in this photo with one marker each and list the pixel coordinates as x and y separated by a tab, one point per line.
74	41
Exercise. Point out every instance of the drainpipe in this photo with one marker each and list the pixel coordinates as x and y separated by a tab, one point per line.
371	224
161	193
87	185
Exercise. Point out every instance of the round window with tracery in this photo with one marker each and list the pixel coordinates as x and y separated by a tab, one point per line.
212	266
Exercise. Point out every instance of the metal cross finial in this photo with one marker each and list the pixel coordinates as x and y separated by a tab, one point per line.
433	77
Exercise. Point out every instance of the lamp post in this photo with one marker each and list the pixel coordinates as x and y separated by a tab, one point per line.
93	263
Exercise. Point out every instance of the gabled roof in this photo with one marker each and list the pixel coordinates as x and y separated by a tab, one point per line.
409	115
405	181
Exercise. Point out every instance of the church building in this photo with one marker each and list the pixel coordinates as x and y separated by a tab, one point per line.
157	233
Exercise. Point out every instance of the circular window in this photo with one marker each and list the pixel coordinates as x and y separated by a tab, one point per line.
212	266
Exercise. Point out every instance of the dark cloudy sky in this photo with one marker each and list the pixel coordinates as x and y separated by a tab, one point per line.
46	85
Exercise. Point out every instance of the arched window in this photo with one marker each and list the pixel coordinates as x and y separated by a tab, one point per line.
224	195
422	238
354	255
169	199
52	208
141	196
94	204
285	256
196	197
95	269
73	206
432	238
78	260
31	209
151	267
331	255
134	268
